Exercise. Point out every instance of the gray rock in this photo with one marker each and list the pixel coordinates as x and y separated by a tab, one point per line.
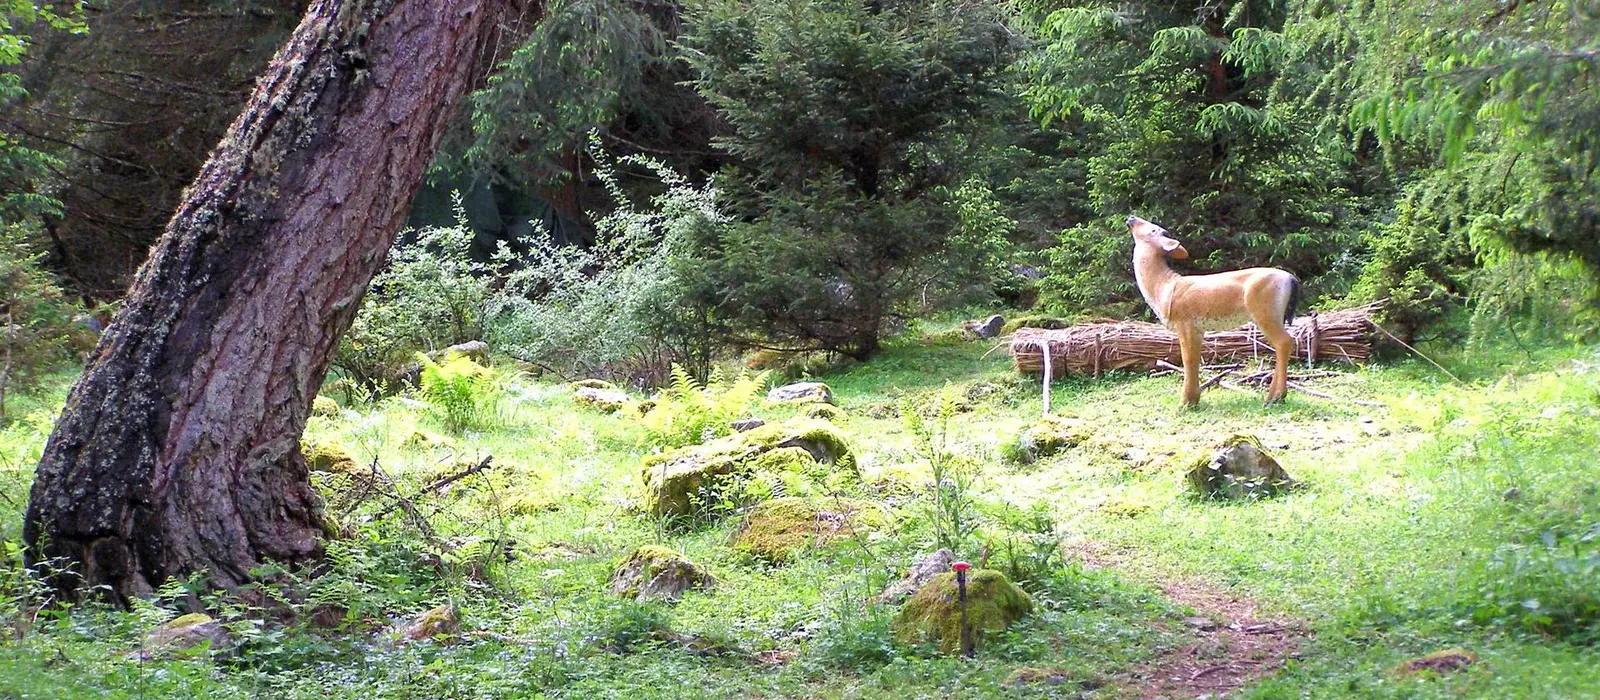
477	350
184	633
990	327
657	573
920	573
1239	469
801	391
740	426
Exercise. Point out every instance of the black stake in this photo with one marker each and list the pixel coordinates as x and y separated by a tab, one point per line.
967	649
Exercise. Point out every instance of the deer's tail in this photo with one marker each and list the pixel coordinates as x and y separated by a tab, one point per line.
1294	300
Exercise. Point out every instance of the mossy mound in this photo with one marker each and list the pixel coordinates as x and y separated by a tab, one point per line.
776	529
324	407
1239	469
442	621
657	573
182	634
933	615
684	481
607	400
600	384
1027	676
1047	438
1438	662
427	440
824	411
1046	322
327	457
801	392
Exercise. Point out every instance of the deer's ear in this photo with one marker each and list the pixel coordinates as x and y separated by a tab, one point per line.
1178	252
1169	245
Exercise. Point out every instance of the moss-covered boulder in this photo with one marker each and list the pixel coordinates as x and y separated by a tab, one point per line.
601	384
684	481
657	573
324	407
327	457
774	530
184	633
1239	469
933	615
442	621
1047	438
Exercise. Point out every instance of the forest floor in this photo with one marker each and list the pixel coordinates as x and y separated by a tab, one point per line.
1433	516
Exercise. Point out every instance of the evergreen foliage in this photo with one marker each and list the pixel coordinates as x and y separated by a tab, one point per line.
845	117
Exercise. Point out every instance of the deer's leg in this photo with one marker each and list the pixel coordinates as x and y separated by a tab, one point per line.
1189	341
1283	347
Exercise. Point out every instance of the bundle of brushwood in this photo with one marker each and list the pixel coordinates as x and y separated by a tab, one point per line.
1092	348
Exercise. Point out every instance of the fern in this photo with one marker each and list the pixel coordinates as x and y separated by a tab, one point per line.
688	412
461	392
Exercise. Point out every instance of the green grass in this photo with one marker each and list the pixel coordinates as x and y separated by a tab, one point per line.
1425	523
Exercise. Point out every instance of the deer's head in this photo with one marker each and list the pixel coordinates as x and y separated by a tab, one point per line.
1146	233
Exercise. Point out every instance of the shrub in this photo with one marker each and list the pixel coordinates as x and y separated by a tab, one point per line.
688	412
622	308
35	317
431	295
857	637
1551	587
949	507
463	393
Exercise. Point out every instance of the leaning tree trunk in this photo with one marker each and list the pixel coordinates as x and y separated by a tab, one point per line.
178	450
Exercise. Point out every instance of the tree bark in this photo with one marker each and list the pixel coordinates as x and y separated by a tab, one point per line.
178	450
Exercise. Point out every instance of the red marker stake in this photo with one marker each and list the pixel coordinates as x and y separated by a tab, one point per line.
961	567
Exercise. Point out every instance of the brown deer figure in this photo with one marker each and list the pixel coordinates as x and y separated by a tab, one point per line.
1190	306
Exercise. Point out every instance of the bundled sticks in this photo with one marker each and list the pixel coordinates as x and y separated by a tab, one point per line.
1092	348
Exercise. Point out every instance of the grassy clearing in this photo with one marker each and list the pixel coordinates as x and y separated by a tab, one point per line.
1453	516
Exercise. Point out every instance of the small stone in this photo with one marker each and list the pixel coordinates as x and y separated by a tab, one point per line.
1136	455
801	391
1200	623
987	328
740	426
924	569
475	350
1511	494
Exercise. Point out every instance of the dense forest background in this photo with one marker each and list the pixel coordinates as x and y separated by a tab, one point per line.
645	183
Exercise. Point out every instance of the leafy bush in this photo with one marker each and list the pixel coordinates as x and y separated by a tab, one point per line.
622	307
36	331
857	636
1551	587
463	393
949	508
431	295
688	412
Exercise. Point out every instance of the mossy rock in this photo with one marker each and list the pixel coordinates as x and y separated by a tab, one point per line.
658	573
681	482
1048	437
933	615
775	530
324	407
606	400
1438	662
427	440
600	384
442	621
327	457
183	633
1028	675
1239	469
824	411
1050	323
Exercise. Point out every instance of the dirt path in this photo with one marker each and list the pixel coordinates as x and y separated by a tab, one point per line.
1234	644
